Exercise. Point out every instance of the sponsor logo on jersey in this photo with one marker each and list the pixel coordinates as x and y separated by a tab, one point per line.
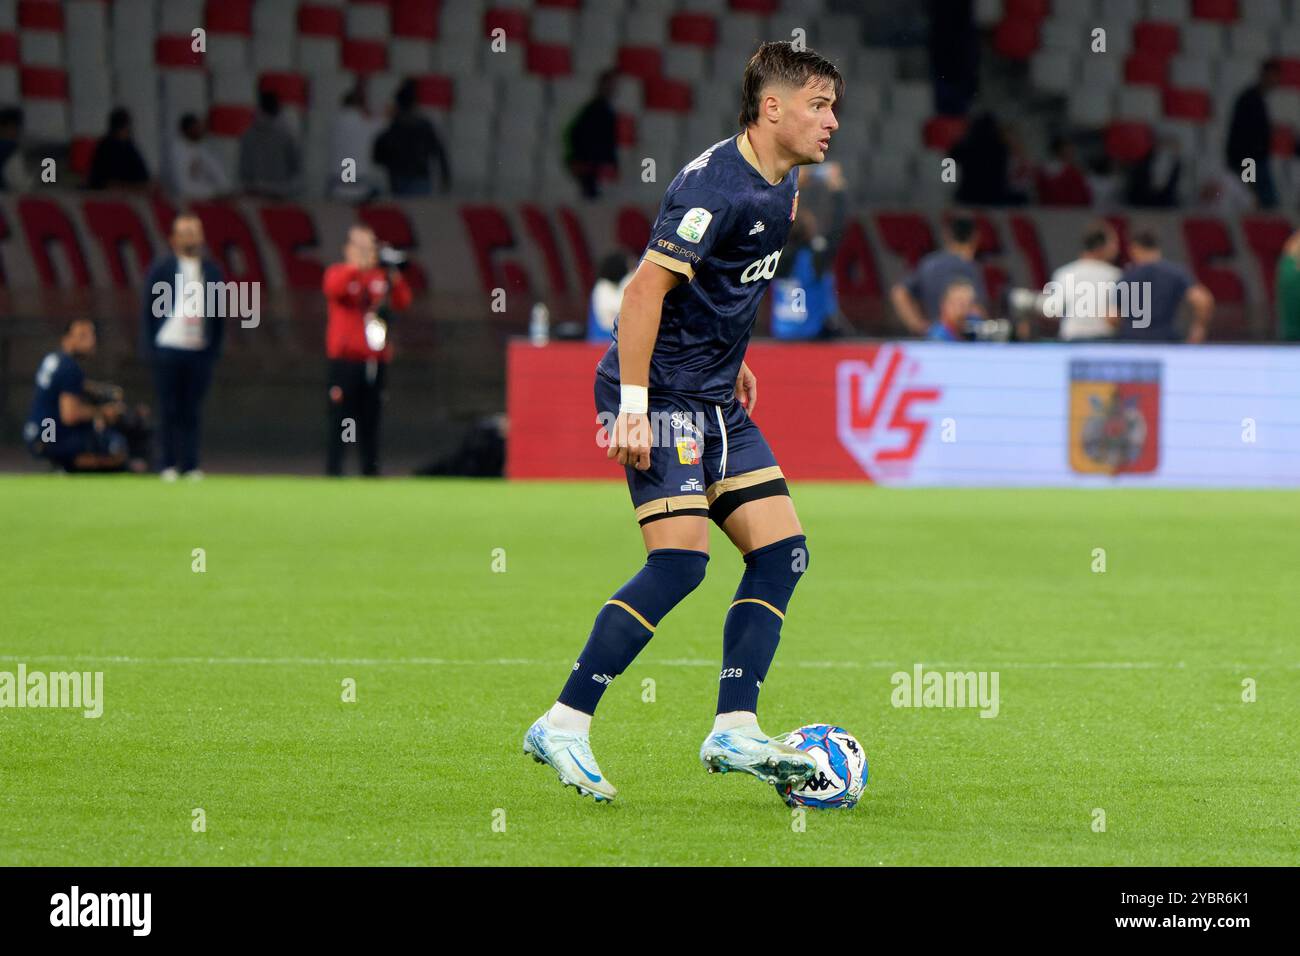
694	224
677	250
764	268
758	227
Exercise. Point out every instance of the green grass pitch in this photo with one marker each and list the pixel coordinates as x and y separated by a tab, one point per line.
223	690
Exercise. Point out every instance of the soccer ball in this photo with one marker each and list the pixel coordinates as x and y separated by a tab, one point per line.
841	768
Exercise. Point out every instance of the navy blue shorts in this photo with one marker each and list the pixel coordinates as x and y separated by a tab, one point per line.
75	441
705	459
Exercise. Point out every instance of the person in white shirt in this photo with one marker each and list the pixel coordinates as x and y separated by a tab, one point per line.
195	171
182	341
1081	293
352	140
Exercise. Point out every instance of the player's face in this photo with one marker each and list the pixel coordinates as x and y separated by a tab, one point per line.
80	339
187	236
810	118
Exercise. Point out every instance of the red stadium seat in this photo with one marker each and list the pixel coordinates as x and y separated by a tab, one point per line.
176	52
1152	36
1208	240
697	29
1266	235
1143	69
320	21
291	88
435	92
365	56
1016	39
81	153
941	132
1192	105
672	96
626	126
40	15
417	19
229	16
43	83
1223	10
563	4
9	48
1283	142
514	22
645	62
230	120
1289	67
1127	141
762	7
905	234
549	59
1026	9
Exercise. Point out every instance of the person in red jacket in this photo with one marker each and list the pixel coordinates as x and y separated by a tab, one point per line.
361	296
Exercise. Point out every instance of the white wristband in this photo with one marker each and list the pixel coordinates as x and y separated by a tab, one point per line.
634	398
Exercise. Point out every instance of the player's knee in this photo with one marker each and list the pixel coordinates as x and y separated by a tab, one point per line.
680	571
781	563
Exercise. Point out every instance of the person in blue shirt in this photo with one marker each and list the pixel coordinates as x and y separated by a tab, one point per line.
917	298
675	398
804	301
70	424
1152	292
607	297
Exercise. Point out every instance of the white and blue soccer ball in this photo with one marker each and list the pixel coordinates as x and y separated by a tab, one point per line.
841	771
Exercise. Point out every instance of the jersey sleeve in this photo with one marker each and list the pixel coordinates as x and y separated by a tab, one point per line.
689	228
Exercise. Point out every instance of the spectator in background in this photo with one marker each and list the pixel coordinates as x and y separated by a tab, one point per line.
954	47
607	296
1156	290
352	139
182	342
591	139
1288	291
1082	287
358	291
80	425
1154	180
1104	183
409	148
14	176
983	157
117	162
196	173
805	266
918	298
1060	181
1250	134
956	310
269	160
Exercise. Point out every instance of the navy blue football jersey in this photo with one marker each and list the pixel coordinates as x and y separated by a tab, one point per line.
58	373
722	225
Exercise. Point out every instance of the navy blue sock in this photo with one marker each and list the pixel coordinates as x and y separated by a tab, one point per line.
753	626
627	622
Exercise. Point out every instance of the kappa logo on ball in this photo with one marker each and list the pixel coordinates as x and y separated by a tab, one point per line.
875	416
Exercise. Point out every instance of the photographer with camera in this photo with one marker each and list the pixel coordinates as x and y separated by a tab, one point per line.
362	294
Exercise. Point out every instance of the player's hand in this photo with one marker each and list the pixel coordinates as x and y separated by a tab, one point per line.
746	388
630	442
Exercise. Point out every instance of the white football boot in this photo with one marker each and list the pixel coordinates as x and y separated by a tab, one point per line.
749	750
569	755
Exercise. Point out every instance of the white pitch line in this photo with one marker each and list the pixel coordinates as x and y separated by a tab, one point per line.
669	662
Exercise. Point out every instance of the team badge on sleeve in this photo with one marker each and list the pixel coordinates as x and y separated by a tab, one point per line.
694	223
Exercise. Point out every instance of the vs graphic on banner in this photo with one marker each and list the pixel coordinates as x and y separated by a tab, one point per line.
1114	416
875	418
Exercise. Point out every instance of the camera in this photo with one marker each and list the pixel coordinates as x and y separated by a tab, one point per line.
391	258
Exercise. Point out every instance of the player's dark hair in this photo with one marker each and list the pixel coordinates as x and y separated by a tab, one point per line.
73	322
1146	239
119	119
1095	236
779	62
961	227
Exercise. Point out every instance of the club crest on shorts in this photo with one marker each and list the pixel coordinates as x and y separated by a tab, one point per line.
688	451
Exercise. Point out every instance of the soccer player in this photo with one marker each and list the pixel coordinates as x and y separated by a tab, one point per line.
676	371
